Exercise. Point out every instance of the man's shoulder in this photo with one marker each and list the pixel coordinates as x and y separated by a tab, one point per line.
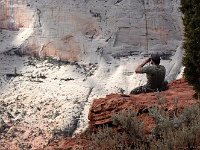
163	67
156	67
152	68
147	69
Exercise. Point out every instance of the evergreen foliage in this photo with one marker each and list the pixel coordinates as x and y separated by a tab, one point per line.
191	59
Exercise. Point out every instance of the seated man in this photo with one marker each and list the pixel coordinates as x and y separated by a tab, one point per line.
155	76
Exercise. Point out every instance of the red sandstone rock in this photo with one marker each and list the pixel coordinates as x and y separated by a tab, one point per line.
19	14
69	143
102	109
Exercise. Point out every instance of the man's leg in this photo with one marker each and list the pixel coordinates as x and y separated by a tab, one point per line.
165	86
137	90
140	89
165	83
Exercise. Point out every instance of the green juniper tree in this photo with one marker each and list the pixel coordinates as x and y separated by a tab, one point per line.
191	45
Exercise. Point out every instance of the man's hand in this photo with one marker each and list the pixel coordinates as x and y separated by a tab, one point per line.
148	60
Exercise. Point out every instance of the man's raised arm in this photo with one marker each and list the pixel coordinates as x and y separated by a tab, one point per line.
138	69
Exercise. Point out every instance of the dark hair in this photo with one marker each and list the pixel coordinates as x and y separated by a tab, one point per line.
155	58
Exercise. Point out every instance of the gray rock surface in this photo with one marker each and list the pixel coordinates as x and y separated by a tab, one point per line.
90	30
86	49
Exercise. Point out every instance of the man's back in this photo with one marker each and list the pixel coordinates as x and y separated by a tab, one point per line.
155	76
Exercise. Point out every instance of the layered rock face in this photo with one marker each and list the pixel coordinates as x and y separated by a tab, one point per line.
90	30
91	48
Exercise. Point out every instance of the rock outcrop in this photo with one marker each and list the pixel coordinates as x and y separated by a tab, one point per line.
180	94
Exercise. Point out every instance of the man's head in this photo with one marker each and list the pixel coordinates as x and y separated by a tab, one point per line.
155	58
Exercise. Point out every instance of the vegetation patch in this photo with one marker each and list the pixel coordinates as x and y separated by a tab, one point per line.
173	130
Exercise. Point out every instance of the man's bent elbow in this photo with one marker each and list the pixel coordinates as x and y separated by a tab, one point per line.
137	71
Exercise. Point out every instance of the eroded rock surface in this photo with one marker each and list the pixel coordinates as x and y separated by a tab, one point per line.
178	95
91	30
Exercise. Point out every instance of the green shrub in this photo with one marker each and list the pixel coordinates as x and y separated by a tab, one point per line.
131	127
177	132
106	139
179	129
132	133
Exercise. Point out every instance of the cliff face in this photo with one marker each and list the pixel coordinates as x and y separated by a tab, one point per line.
91	48
89	30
